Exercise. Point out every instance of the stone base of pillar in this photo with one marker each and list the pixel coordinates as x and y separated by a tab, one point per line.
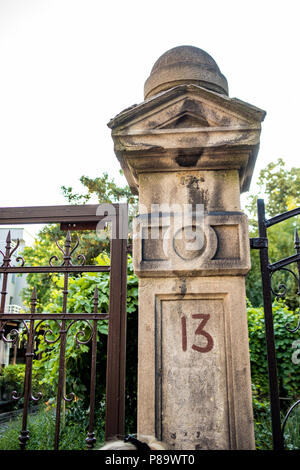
194	386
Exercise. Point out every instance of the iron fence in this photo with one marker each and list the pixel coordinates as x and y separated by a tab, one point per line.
267	271
72	218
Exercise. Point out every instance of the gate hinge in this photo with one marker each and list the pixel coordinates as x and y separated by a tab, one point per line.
258	243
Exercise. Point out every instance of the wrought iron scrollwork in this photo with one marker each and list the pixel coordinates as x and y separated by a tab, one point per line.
35	324
48	331
280	293
83	334
67	253
282	289
14	333
72	396
297	403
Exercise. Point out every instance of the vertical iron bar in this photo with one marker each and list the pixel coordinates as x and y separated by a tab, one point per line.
116	348
63	341
24	435
90	440
6	263
269	331
297	249
3	292
61	375
2	305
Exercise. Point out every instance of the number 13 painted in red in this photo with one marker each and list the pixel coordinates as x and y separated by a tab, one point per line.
199	331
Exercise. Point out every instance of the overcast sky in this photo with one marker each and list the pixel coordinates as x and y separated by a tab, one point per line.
68	66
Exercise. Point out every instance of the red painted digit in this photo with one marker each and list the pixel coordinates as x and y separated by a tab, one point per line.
183	328
200	331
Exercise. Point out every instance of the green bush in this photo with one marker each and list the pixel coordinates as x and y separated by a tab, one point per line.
288	378
41	428
12	379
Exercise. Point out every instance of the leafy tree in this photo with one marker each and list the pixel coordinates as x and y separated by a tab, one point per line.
106	191
284	319
39	254
288	379
279	186
104	188
80	299
91	246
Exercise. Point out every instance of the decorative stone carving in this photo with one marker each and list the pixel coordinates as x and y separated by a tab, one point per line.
189	145
219	246
156	134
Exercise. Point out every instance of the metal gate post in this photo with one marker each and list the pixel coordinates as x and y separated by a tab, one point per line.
116	348
269	330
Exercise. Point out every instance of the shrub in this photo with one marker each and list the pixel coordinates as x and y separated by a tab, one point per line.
289	379
288	376
41	428
12	379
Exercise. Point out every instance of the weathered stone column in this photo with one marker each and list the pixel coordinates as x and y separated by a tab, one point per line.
189	150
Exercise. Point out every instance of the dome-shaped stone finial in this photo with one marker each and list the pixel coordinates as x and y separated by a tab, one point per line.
185	64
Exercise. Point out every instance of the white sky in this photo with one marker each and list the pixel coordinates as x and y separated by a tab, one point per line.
68	66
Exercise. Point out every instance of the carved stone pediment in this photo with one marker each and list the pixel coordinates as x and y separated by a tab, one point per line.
210	108
187	126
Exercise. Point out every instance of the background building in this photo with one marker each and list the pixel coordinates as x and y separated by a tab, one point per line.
15	284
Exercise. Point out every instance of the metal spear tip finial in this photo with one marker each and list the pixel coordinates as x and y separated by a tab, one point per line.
33	295
68	237
8	238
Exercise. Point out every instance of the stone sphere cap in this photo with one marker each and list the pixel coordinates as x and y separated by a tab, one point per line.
185	64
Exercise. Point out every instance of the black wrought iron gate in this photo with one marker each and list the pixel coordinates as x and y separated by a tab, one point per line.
74	218
267	271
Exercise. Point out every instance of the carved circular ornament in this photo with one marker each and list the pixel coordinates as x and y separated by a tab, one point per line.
189	242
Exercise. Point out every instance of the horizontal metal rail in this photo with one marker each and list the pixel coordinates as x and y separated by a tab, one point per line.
54	214
282	217
53	316
57	269
284	262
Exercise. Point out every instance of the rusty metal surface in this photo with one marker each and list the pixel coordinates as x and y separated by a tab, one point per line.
115	385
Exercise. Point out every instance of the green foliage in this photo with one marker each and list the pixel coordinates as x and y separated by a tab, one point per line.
104	188
289	381
292	431
263	425
279	186
44	248
281	190
288	378
74	431
91	245
41	428
38	255
80	299
262	421
78	357
106	191
12	379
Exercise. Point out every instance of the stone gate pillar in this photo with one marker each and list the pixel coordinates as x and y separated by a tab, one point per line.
189	150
